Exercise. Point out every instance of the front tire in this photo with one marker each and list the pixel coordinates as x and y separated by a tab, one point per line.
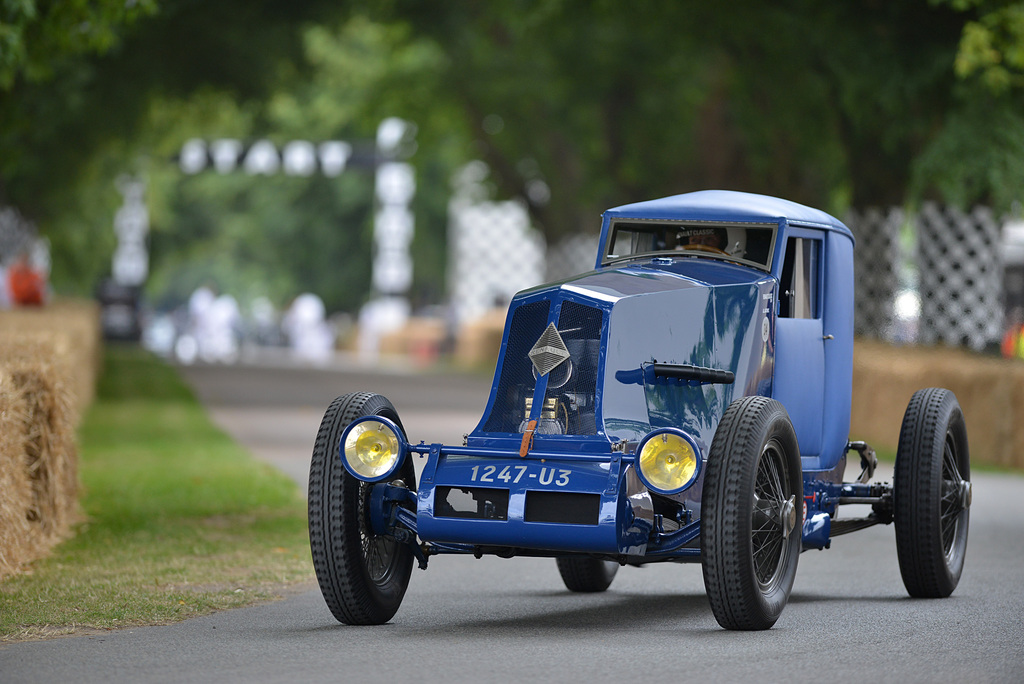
932	494
362	576
586	575
751	511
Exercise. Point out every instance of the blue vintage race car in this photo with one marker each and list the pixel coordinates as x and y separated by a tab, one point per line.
688	400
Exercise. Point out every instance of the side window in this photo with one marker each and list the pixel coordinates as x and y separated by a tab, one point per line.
799	297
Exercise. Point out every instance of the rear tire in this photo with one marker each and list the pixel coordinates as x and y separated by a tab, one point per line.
362	576
751	514
586	575
931	494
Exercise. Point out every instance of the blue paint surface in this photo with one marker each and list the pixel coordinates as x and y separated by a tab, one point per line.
710	312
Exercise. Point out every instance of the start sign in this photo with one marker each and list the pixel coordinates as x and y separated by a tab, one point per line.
296	158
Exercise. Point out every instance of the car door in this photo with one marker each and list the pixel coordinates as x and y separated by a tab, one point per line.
799	338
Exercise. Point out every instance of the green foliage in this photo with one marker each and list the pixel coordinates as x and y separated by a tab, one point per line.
608	102
275	237
65	138
180	521
36	36
887	67
597	105
574	105
978	158
280	236
976	155
992	44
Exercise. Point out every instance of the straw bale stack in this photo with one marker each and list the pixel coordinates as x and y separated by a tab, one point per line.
49	359
39	461
17	543
66	333
420	339
479	341
990	391
51	455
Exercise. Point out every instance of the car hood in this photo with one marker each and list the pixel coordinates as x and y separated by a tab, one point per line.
615	321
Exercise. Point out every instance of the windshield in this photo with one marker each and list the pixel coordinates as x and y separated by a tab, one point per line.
750	244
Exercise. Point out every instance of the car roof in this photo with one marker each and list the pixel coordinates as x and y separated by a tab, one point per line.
727	206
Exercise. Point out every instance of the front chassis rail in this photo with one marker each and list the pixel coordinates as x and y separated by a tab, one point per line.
392	513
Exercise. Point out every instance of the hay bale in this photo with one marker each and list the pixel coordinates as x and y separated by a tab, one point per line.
990	391
41	463
65	333
49	362
52	350
17	542
421	339
479	341
51	457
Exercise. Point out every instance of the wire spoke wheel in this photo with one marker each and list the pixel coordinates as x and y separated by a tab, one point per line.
379	552
769	522
952	499
750	525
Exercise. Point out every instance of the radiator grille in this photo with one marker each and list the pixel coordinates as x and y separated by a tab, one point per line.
580	328
570	399
516	381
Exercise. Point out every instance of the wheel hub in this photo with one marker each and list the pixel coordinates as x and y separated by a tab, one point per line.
958	494
787	516
966	494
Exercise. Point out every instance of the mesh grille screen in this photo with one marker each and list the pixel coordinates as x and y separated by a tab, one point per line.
580	328
516	382
570	399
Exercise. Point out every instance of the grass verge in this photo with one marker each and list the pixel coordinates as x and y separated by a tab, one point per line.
179	520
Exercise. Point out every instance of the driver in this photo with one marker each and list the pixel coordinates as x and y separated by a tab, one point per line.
714	238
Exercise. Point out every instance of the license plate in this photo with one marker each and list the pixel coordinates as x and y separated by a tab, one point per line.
514	474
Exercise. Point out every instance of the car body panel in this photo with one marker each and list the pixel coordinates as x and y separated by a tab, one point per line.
788	340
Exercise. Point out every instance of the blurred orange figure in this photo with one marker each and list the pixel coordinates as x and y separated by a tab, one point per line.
25	285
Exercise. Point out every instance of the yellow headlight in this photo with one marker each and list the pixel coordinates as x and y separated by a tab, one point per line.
667	461
371	449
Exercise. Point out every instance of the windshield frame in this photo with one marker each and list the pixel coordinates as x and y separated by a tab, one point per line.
634	224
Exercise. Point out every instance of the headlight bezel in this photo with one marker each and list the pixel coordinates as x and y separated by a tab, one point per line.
688	439
401	447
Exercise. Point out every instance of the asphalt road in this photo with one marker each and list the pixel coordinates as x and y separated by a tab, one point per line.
849	619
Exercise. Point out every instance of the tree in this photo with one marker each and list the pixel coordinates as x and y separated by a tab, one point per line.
992	43
36	37
76	107
825	103
576	105
977	155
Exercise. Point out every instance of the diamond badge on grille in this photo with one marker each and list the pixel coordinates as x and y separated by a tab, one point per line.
549	352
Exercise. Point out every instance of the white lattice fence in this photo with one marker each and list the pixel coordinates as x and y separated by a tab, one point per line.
570	256
876	269
16	234
961	276
495	254
960	283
